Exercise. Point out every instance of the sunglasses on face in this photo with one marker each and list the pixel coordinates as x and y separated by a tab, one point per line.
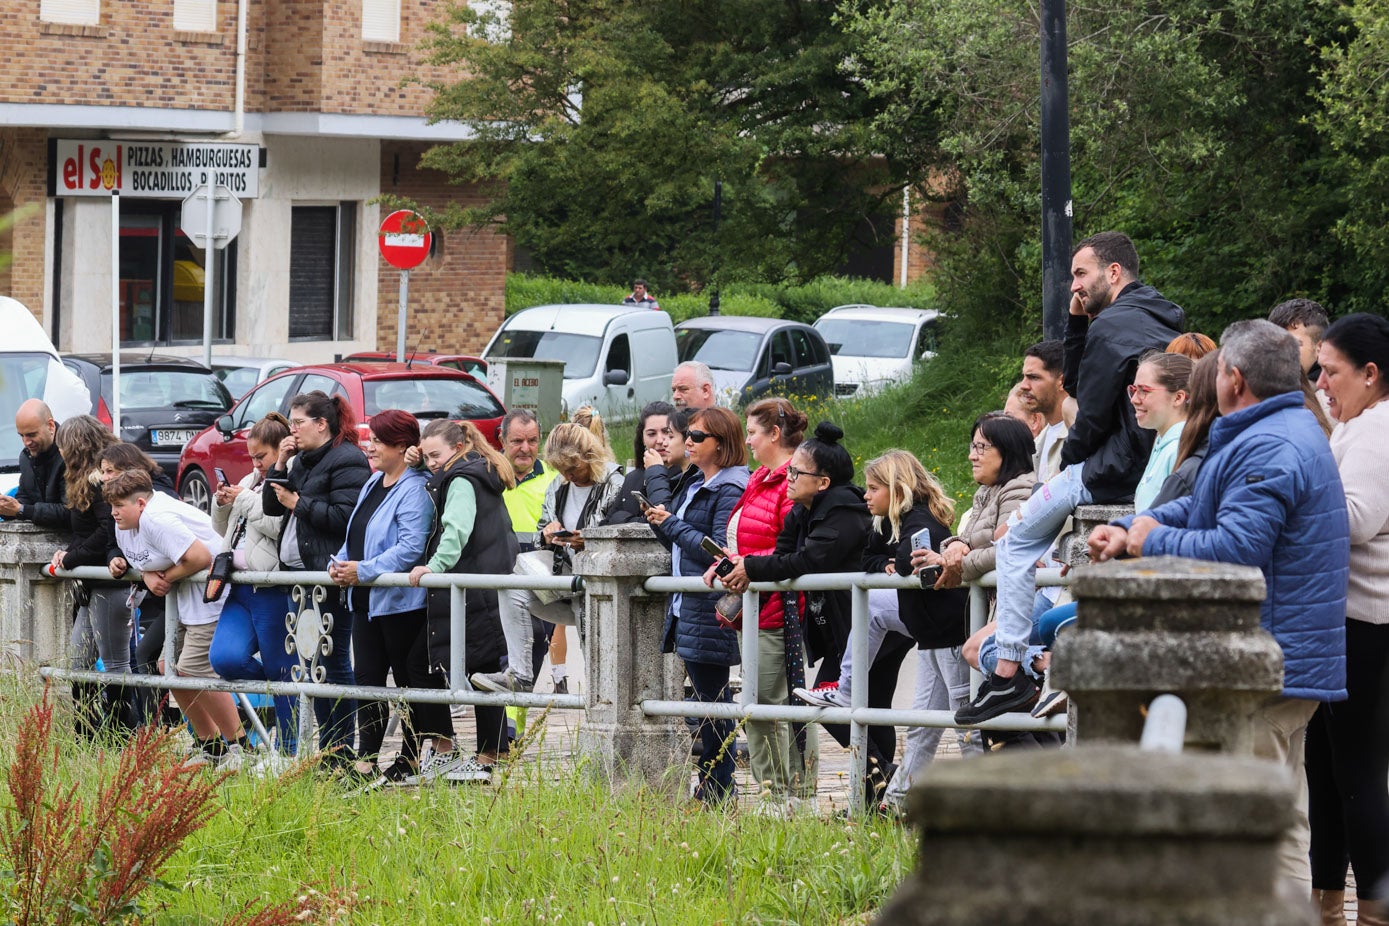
697	436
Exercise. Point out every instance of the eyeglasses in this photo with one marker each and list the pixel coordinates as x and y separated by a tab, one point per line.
1144	391
296	423
980	448
698	436
793	474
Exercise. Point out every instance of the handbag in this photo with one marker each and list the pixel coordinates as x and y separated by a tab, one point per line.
219	576
728	611
536	563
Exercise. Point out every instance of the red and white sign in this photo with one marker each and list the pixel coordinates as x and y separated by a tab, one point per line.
151	170
405	239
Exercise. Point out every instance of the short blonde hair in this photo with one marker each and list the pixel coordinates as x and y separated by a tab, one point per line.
908	484
572	447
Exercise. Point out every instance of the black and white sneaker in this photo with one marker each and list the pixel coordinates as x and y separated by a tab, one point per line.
998	696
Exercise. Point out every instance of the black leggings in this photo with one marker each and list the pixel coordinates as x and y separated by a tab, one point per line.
1347	768
882	684
395	642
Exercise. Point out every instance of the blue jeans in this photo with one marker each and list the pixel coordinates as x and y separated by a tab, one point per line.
710	683
1031	531
253	621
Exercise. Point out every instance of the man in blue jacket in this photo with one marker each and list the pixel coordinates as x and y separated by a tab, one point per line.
1114	320
1268	495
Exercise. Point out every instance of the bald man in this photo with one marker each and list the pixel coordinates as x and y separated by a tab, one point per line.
40	494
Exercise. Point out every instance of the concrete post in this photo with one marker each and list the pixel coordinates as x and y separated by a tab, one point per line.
35	611
625	665
1099	835
1086	519
1154	625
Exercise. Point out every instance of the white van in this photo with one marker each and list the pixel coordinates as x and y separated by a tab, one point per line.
872	346
30	369
616	357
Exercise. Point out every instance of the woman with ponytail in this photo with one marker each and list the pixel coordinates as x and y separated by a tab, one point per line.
313	488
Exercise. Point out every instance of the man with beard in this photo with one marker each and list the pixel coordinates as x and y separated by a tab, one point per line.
1114	319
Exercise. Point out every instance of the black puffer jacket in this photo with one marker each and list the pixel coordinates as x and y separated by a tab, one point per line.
937	619
491	550
1100	360
41	488
829	536
328	480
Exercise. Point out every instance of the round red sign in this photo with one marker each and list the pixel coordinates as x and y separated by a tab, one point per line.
404	239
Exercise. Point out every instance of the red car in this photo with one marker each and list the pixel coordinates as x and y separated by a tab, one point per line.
465	362
426	391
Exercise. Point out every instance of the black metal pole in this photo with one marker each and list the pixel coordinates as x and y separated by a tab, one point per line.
718	214
1056	173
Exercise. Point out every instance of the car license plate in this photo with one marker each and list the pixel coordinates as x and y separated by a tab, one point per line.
171	437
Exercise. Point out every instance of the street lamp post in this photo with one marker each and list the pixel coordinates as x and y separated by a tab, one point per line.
1056	172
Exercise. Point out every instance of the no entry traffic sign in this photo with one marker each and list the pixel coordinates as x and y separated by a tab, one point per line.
404	239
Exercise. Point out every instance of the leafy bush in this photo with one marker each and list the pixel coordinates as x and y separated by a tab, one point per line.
805	302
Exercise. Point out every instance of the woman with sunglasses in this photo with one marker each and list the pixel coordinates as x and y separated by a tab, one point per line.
692	631
1159	396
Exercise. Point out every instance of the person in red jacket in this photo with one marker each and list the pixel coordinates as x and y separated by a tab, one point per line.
781	760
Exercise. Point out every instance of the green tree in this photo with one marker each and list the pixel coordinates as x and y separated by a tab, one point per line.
1190	130
603	124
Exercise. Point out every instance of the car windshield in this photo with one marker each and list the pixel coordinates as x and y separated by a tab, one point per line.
238	380
141	389
579	352
719	348
861	337
431	398
22	376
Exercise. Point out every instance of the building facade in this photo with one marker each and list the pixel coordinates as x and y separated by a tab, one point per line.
113	112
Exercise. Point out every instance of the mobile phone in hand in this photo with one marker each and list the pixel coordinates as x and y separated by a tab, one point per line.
722	564
221	476
277	481
929	575
921	540
562	535
642	500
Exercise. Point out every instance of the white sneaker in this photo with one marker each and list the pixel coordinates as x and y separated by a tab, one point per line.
198	756
233	760
826	695
271	764
469	769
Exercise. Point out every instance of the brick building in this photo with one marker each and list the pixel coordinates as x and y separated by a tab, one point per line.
298	106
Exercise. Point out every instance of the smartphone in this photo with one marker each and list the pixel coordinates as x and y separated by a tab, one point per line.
642	500
921	540
562	535
277	481
929	575
713	549
333	560
221	476
722	564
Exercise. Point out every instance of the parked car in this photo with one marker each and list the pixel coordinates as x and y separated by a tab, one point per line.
875	346
165	401
425	391
752	357
239	374
465	362
30	368
616	357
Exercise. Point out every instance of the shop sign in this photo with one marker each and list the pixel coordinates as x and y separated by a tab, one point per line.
151	170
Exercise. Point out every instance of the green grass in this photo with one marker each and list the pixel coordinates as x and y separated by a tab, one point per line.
547	844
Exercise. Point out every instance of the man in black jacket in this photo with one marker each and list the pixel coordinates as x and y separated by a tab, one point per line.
39	497
1114	320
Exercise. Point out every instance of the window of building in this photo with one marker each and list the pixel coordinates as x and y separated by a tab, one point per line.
381	20
321	241
73	12
195	15
162	279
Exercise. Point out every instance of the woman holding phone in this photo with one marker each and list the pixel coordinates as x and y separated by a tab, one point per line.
715	446
312	488
649	449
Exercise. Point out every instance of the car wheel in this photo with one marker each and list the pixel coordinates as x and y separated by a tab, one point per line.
196	492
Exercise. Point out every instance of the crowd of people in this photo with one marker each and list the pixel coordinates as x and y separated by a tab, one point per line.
1260	450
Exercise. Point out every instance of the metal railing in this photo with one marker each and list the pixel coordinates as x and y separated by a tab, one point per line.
308	631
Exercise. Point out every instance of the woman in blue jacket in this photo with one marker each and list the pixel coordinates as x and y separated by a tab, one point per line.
387	532
716	450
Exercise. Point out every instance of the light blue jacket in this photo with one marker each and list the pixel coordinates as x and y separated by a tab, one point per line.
1269	495
395	540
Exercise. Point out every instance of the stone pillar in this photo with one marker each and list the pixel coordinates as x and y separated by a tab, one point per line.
35	611
625	665
1099	835
1163	624
1086	519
